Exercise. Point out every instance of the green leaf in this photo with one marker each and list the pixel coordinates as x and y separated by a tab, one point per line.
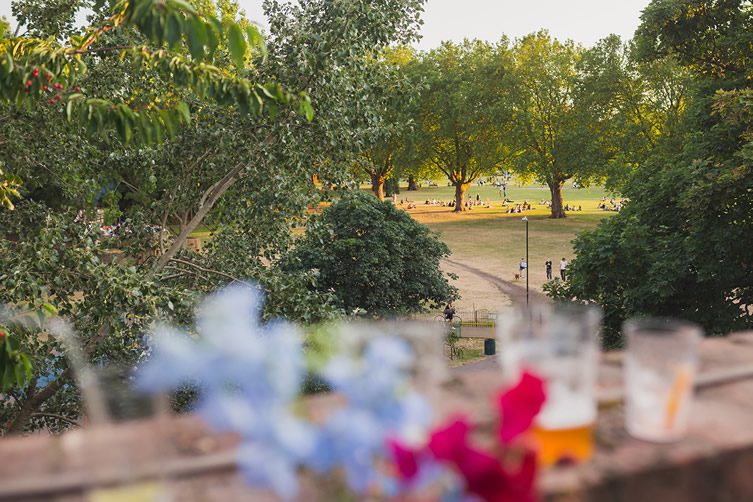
307	108
185	113
19	373
172	30
50	309
256	40
69	109
236	44
197	38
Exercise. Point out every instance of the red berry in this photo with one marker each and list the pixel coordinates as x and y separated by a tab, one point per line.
28	83
48	75
44	88
2	333
35	72
59	97
52	101
77	89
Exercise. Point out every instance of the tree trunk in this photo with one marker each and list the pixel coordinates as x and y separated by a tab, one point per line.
377	185
460	189
210	198
412	187
555	188
35	400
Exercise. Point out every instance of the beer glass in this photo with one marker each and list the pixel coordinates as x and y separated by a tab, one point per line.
560	344
660	366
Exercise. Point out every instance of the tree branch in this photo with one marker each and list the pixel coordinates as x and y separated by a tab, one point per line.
209	270
35	401
58	417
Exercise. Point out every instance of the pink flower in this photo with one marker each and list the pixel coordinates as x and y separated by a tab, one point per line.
406	460
449	442
519	406
484	475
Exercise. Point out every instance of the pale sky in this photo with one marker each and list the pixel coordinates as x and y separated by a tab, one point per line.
584	21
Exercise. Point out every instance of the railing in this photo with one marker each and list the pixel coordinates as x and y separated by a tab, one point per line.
479	318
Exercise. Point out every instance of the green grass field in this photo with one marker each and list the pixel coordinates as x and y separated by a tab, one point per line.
494	241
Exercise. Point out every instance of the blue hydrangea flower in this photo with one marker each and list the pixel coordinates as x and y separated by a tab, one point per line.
379	406
248	376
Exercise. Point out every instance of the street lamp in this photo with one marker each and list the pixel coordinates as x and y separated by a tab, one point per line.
528	265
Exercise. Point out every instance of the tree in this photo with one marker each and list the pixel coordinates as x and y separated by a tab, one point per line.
459	131
374	258
552	133
397	99
244	176
38	67
682	246
634	104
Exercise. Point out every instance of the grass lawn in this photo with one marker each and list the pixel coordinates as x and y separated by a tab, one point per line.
494	241
472	350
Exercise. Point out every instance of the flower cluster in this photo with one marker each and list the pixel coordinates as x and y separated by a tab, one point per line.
486	475
379	406
249	376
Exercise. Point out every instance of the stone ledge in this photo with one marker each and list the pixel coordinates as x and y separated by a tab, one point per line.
713	463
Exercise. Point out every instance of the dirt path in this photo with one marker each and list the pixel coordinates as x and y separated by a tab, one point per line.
516	293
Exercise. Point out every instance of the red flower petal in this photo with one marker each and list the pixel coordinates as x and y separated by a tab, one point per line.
519	406
405	458
483	474
448	442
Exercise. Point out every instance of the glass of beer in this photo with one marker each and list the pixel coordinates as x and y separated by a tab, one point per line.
660	366
560	344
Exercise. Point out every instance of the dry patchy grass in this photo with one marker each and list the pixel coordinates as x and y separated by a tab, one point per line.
494	240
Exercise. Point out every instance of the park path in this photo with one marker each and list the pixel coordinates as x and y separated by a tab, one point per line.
515	292
517	295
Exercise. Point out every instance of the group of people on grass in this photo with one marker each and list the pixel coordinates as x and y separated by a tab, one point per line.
611	205
548	265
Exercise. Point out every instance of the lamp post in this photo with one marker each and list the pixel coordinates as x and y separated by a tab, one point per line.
528	265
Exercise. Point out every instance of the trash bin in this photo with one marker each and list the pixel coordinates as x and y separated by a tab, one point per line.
490	347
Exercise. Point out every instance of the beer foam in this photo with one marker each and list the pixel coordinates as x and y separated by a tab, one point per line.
566	409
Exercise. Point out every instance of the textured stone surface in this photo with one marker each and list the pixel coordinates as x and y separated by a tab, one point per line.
713	463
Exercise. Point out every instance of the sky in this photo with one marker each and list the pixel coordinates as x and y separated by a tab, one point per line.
584	21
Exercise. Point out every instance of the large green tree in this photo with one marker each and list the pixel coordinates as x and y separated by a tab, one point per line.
242	175
375	258
387	148
635	104
460	126
682	246
552	130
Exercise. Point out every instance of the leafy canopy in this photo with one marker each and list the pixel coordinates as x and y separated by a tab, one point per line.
375	258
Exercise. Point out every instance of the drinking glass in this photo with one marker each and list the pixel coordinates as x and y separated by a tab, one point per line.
560	344
660	366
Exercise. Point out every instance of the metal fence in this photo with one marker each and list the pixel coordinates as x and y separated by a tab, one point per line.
479	318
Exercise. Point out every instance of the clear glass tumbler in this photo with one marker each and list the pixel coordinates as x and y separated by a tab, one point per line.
560	344
661	361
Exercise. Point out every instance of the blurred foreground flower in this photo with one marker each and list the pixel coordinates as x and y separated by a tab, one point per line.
248	376
486	476
380	406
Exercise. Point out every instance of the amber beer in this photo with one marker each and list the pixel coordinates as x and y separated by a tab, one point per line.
563	429
559	344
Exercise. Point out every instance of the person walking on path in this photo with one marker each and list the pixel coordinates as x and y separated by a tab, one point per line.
523	266
549	270
563	268
449	312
